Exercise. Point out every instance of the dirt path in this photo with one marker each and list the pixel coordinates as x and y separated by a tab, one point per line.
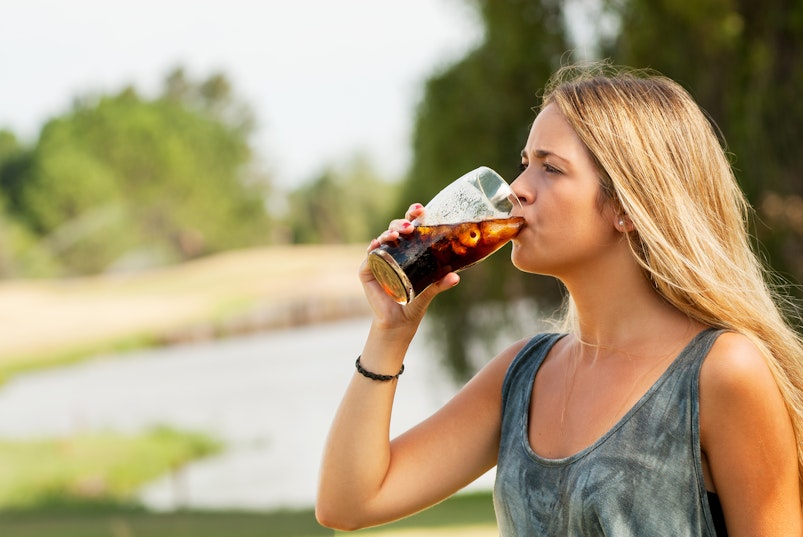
233	292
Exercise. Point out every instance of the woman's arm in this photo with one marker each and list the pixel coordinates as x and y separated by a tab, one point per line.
748	441
368	480
365	478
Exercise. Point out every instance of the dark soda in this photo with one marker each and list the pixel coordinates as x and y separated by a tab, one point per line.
408	265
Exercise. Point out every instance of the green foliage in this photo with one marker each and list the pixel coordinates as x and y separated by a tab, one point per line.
739	58
478	112
98	468
741	61
21	254
9	145
343	205
121	176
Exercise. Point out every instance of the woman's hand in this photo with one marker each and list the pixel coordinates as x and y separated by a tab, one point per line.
388	313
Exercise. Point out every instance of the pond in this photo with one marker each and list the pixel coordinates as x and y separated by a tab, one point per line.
269	397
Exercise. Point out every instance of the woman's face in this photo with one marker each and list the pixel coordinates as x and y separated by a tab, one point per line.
567	227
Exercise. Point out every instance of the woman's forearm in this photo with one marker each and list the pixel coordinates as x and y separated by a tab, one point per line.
357	451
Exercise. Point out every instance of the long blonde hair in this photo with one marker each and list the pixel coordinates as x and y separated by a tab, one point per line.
661	162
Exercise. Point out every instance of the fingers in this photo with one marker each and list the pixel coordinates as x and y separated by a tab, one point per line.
405	225
386	236
416	210
398	227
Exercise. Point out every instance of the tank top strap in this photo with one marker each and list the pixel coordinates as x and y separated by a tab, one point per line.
527	362
698	348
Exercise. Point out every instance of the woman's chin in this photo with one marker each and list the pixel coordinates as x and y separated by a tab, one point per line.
517	257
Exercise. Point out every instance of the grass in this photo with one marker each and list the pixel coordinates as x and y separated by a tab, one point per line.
83	486
91	470
58	322
182	524
465	515
72	354
190	524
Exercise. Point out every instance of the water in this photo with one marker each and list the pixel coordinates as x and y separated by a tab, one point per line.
269	397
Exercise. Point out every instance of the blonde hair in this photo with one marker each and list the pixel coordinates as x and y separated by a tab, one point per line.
662	164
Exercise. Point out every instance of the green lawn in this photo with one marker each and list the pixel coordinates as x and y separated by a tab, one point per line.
85	470
462	511
142	524
84	486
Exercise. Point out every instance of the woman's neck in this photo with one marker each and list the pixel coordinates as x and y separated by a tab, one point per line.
624	311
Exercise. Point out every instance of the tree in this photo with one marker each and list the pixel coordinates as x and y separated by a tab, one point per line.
9	145
213	97
121	177
20	253
477	112
739	58
741	61
342	205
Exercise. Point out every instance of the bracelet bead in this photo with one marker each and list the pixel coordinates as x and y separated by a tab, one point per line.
375	376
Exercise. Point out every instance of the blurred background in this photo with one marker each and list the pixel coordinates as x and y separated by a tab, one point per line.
186	192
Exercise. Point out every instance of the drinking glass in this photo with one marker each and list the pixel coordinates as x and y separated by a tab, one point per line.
463	224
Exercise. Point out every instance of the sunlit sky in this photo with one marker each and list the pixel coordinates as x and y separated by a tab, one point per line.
326	78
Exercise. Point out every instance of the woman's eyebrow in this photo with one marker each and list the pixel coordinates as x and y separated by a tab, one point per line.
542	154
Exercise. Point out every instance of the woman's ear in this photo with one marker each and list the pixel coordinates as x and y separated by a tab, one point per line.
623	223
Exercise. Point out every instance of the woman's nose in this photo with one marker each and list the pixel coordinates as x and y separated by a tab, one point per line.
522	191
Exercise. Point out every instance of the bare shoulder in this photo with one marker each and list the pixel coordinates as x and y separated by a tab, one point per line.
745	428
735	379
738	388
735	366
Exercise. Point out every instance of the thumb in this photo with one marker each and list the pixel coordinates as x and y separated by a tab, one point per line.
444	284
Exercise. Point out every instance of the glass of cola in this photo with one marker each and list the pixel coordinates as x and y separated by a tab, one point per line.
463	224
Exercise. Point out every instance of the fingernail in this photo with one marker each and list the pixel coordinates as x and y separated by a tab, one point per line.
417	206
406	225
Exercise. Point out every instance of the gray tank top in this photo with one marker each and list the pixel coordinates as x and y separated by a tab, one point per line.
642	478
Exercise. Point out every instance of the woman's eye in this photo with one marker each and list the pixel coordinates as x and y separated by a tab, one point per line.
522	167
550	169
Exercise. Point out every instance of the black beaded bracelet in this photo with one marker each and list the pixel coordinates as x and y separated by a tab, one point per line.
376	376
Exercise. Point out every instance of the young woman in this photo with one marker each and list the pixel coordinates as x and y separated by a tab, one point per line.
671	403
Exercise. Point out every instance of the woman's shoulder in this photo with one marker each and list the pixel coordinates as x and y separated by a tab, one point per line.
736	384
734	364
745	429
